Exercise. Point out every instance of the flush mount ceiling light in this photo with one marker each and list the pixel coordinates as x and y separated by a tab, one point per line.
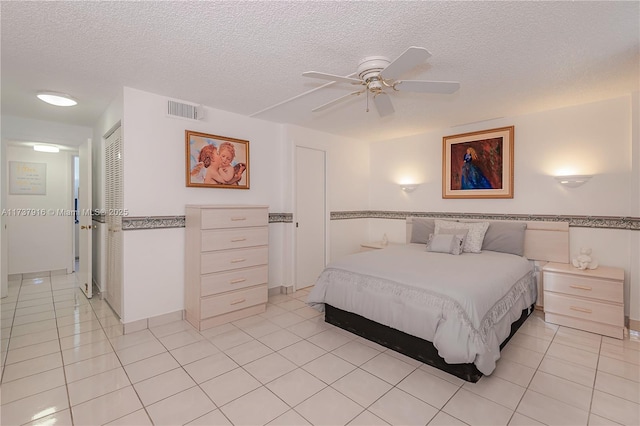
46	148
57	99
573	181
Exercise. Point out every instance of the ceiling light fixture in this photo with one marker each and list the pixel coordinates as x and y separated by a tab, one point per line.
46	148
57	99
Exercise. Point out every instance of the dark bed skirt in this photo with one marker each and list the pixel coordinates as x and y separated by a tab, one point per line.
414	347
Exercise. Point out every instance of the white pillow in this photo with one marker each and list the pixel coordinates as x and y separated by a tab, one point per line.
445	243
473	242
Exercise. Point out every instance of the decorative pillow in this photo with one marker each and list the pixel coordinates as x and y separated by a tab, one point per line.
473	242
505	237
421	228
445	243
462	233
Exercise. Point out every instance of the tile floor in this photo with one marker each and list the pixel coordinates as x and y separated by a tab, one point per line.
65	361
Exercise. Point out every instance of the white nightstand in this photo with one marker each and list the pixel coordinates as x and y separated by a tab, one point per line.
590	300
376	245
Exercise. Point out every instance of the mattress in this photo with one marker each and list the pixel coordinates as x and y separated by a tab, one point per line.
463	304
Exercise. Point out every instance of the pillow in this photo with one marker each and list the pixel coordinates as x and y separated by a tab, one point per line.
505	237
421	228
445	243
462	233
473	242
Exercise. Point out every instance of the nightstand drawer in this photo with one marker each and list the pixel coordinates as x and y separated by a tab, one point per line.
595	288
229	302
606	313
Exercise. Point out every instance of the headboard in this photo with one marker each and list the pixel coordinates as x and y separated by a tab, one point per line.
543	241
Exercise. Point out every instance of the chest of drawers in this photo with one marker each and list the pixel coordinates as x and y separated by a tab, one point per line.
226	265
590	300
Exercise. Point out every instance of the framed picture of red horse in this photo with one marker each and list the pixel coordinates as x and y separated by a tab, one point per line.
478	164
216	161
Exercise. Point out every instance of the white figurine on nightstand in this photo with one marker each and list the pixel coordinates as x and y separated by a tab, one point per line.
584	260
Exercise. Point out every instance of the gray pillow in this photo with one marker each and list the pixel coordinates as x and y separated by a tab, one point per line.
421	228
446	243
505	237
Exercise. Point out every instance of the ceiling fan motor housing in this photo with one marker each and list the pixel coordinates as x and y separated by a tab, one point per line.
369	70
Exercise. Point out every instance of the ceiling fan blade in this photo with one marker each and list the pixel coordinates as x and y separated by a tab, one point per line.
331	77
403	63
383	104
336	101
424	86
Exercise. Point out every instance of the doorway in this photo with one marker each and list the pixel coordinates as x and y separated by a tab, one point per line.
310	215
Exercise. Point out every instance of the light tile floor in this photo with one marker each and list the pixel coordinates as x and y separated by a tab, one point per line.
65	361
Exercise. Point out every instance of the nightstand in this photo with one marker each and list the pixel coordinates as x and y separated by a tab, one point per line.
376	245
590	300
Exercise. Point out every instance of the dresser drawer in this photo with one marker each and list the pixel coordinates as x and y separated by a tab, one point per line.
233	218
591	310
217	261
222	282
222	239
595	288
228	302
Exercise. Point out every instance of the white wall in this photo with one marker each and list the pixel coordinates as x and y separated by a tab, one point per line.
593	139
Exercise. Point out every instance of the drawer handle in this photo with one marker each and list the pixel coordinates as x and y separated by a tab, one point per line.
238	218
581	287
237	260
576	308
235	302
236	240
238	280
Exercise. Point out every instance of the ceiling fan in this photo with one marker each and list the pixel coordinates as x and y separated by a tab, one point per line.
379	76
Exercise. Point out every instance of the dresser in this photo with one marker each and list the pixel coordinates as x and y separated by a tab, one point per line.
226	264
590	300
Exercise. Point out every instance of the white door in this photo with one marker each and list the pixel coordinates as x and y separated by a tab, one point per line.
113	204
84	274
310	216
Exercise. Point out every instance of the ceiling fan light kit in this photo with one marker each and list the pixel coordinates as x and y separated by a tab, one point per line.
377	73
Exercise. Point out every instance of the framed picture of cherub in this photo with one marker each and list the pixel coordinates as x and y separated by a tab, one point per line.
478	164
216	161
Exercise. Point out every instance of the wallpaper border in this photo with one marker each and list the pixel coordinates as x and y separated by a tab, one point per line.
603	222
606	222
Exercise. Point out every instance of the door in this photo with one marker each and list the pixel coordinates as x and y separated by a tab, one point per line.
113	205
310	216
84	274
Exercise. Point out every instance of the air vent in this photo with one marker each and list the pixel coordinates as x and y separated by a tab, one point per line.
190	112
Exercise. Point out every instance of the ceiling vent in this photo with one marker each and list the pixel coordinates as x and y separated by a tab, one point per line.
182	110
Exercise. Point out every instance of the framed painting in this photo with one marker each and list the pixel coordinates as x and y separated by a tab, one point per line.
216	161
478	164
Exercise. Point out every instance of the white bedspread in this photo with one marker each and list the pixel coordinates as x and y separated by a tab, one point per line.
463	304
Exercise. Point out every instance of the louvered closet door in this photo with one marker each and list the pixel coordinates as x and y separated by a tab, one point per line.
114	204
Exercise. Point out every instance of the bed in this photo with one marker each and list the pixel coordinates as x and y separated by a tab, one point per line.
451	297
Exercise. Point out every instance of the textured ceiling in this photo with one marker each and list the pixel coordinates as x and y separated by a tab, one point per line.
510	58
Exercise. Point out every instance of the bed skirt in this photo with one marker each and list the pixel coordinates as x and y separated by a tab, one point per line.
411	346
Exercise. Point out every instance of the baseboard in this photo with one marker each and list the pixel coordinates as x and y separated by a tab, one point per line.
634	325
139	325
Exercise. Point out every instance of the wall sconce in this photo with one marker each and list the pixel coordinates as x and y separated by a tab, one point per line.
408	187
573	181
46	148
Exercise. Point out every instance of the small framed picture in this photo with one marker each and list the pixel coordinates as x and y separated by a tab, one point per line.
478	164
216	161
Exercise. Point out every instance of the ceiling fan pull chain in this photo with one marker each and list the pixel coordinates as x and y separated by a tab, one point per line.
367	100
